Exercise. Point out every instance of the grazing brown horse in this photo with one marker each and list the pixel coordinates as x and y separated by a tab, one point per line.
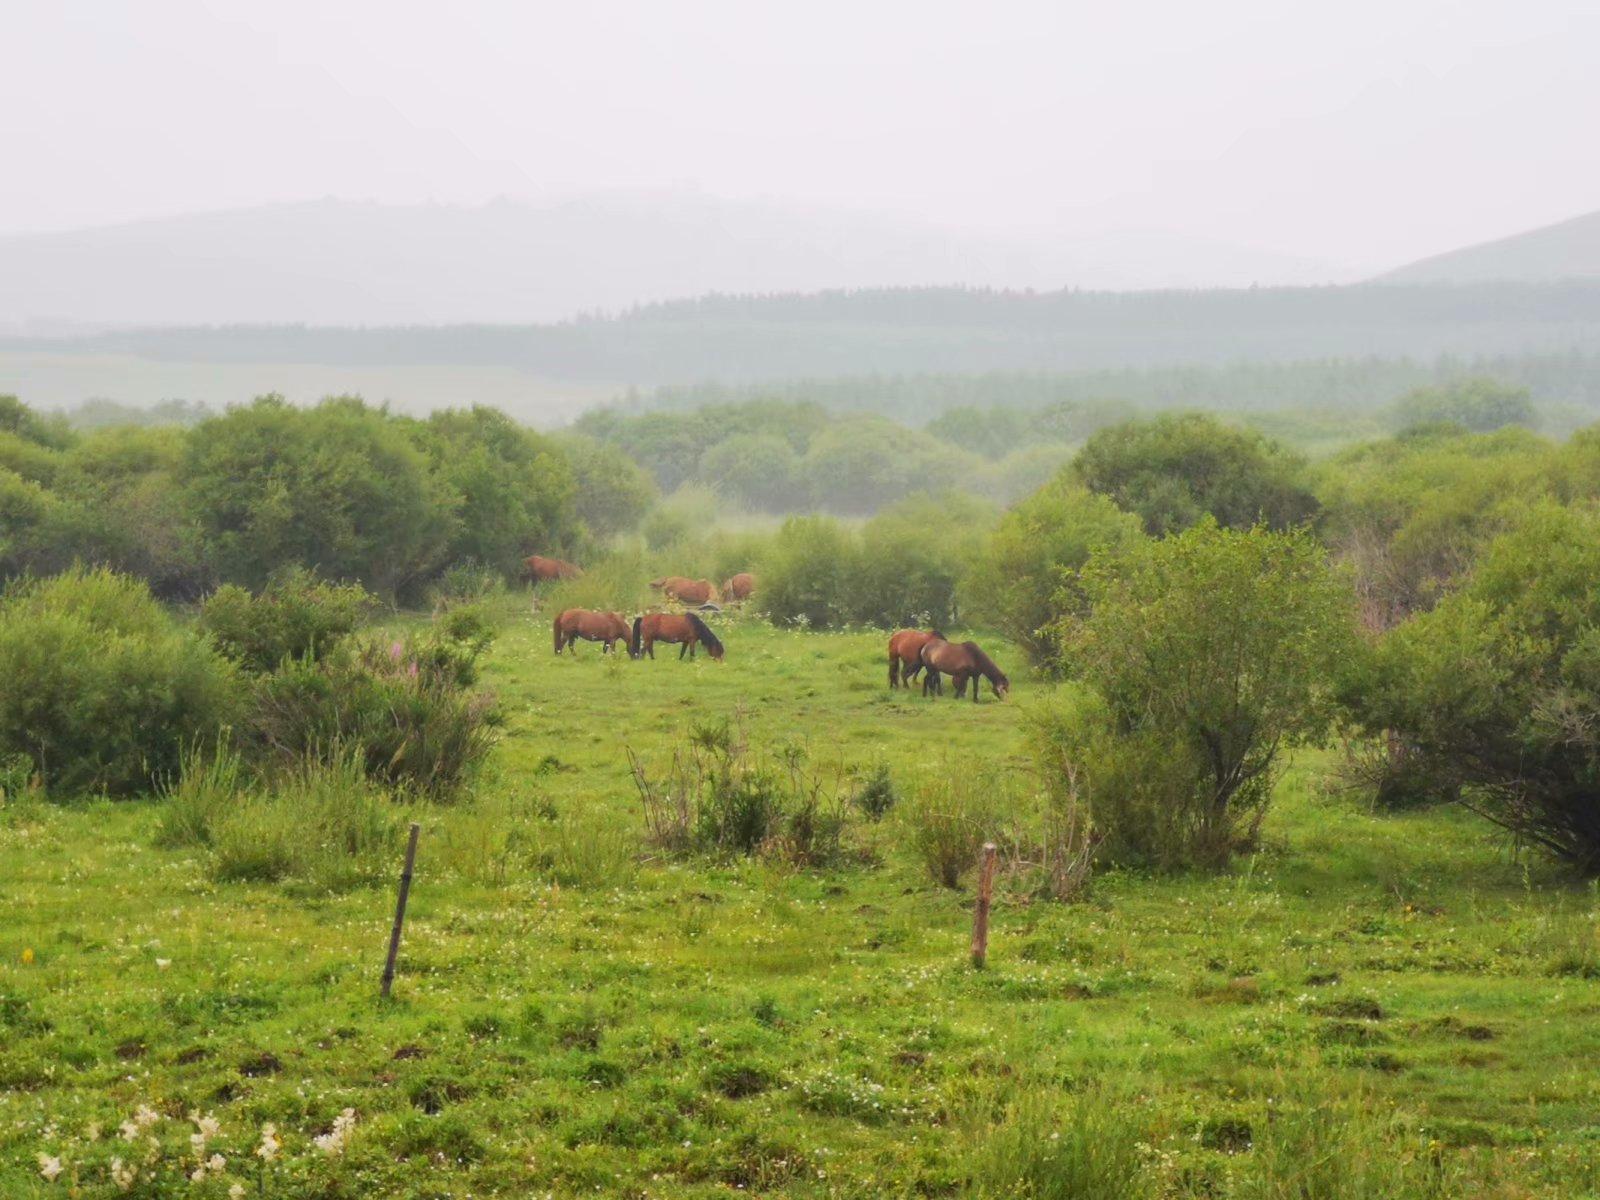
542	570
685	591
964	663
905	654
607	628
686	629
739	587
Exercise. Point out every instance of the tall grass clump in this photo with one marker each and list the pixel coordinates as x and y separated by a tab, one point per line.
102	688
207	785
325	823
949	818
1045	1148
716	796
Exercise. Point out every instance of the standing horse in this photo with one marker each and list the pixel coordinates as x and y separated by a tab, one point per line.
684	590
542	570
740	587
686	629
607	628
963	663
905	654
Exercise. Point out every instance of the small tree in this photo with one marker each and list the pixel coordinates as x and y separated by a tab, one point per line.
1498	687
1207	653
1176	469
1021	578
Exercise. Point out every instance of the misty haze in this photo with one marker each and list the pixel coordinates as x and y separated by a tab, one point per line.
672	600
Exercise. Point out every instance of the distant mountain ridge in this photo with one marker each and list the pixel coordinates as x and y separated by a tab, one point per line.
1566	250
334	262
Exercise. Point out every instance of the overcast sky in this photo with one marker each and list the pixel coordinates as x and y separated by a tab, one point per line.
1365	132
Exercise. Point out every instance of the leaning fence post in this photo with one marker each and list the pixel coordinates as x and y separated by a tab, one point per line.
980	911
400	910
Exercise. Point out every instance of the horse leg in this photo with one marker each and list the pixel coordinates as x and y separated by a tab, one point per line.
894	670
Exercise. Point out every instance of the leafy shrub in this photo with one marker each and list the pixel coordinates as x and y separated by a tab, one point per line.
1177	468
911	557
877	794
102	688
1210	651
1498	687
1022	580
809	571
1479	404
296	615
466	582
406	707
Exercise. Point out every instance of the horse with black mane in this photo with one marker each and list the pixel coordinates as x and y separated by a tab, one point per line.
607	628
685	629
905	654
963	663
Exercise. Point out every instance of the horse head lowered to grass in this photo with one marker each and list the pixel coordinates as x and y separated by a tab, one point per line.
687	630
963	663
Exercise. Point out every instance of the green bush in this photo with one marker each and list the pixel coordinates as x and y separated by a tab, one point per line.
809	572
1210	651
1498	687
911	557
1022	579
296	615
102	689
208	784
1178	468
407	708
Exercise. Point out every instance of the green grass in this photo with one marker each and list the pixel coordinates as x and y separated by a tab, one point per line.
1372	1006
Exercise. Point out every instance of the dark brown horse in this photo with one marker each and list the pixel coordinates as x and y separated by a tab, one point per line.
963	663
542	570
740	587
905	654
607	628
686	629
685	591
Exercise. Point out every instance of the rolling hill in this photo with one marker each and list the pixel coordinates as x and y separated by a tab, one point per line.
1567	250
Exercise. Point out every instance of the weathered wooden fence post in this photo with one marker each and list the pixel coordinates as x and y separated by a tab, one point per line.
980	911
400	910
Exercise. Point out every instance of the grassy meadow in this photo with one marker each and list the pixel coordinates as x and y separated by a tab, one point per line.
1373	1005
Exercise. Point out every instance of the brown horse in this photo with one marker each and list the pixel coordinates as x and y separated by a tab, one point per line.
740	587
685	591
686	629
607	628
542	570
905	654
964	663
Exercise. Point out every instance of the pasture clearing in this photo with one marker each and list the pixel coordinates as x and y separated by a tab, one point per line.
1374	1005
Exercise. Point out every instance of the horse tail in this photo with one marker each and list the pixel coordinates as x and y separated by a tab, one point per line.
634	642
894	665
703	632
555	630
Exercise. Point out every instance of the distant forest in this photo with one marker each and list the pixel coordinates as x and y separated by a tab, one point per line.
939	331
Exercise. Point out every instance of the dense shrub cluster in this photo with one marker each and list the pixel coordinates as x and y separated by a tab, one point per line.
102	688
1203	655
352	491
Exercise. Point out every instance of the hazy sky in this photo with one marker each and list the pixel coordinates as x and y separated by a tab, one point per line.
1364	132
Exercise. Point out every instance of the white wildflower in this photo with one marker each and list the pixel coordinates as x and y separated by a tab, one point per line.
49	1166
216	1163
236	1192
163	963
270	1145
333	1142
122	1176
208	1125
